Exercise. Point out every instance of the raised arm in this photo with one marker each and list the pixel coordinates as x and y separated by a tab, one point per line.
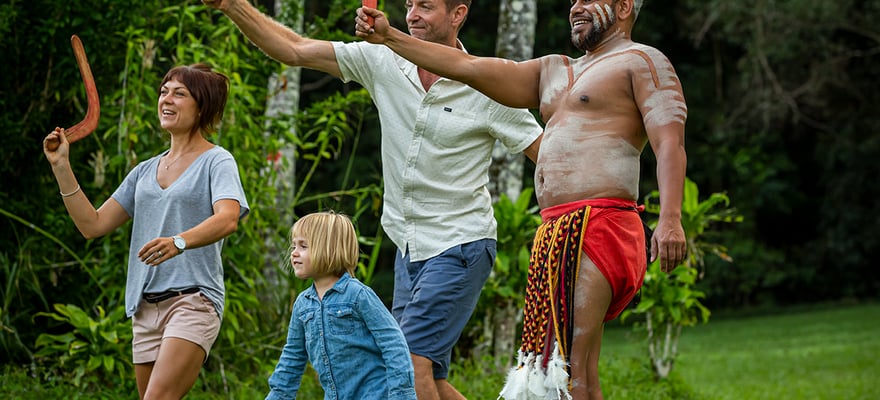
276	40
514	84
90	222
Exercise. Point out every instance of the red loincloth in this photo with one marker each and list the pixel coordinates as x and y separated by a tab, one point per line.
610	232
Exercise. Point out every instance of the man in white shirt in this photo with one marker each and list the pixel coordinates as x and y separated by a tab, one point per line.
437	139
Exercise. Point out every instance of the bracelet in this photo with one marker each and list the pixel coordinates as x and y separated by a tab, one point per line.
71	193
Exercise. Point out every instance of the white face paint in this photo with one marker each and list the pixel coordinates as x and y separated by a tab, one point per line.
603	17
600	19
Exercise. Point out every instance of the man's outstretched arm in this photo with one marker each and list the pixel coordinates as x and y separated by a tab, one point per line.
276	40
514	84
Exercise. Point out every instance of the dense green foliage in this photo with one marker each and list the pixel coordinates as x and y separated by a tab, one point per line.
671	301
53	310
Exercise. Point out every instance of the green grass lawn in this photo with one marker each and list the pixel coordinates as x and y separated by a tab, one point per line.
814	353
828	352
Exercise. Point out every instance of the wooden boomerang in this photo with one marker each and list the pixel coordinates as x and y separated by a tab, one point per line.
371	4
90	122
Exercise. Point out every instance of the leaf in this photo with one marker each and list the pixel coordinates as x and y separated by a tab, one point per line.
94	363
109	363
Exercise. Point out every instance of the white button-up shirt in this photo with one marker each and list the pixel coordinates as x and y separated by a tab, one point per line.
436	150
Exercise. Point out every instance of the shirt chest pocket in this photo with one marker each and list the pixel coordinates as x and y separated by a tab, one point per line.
452	126
307	319
342	319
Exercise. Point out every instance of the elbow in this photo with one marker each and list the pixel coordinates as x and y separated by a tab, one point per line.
230	227
89	235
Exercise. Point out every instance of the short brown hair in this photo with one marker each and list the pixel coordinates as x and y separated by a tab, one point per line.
209	89
452	3
332	241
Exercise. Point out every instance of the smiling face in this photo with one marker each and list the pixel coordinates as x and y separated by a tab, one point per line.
430	20
589	21
301	259
178	110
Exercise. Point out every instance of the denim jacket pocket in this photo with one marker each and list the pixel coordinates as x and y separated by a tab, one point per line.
341	319
306	317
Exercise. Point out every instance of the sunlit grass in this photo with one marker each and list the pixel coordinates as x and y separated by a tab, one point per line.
805	353
819	353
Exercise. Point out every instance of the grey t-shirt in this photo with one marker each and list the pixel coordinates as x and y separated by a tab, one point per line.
158	212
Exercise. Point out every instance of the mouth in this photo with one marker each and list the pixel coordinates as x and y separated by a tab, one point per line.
578	22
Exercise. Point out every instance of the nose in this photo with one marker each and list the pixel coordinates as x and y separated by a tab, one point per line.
411	15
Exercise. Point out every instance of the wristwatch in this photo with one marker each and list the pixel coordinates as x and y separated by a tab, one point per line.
179	243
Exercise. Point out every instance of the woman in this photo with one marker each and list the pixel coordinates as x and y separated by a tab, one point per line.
183	203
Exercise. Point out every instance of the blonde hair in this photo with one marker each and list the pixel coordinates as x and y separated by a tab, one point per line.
332	241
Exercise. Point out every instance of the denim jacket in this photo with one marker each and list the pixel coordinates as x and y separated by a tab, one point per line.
351	340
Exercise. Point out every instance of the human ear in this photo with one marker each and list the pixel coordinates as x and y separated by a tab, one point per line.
625	9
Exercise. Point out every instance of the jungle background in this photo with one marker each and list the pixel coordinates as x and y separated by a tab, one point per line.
782	128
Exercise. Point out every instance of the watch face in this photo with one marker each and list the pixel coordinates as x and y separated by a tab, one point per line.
179	243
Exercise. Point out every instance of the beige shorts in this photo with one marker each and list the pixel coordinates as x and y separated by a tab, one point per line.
190	317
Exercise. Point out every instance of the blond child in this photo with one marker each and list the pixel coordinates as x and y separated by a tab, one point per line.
339	324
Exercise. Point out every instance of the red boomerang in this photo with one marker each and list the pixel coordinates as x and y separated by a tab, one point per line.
371	4
90	122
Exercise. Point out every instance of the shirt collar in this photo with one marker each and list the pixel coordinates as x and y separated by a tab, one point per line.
339	286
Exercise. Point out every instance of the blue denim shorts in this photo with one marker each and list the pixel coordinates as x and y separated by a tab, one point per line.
434	298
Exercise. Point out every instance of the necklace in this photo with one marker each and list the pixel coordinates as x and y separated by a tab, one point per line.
169	164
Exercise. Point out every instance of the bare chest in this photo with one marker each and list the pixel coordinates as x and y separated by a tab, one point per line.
596	90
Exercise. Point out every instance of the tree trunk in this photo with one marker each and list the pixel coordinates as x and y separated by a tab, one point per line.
515	41
505	321
662	346
282	104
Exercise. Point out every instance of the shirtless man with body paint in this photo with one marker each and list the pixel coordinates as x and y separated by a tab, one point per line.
600	111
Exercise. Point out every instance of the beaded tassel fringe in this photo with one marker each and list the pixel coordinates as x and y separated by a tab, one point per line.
531	381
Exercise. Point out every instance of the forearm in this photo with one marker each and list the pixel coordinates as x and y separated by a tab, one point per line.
285	380
84	215
443	60
271	37
671	170
510	83
216	227
280	42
